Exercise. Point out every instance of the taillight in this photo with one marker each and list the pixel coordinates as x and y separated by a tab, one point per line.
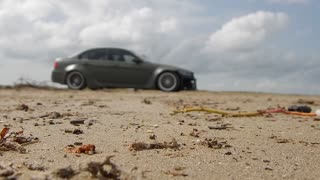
55	65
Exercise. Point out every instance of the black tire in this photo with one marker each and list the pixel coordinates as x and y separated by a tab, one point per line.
76	81
168	82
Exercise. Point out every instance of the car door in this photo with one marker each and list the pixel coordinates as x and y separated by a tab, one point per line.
131	71
99	66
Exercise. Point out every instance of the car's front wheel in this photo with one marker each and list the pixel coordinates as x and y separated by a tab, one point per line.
168	82
76	80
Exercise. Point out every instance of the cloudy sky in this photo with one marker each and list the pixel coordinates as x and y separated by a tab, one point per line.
243	45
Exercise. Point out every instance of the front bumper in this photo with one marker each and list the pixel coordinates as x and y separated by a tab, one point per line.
58	77
189	84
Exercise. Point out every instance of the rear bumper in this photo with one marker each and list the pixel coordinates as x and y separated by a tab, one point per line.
58	77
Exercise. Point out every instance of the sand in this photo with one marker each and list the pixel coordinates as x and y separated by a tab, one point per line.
276	146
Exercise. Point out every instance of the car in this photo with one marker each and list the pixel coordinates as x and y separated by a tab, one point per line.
119	68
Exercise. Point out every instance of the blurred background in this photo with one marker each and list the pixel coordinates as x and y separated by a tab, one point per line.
247	45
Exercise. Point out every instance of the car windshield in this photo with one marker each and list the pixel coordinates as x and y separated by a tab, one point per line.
75	54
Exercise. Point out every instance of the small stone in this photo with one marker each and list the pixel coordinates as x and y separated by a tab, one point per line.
78	143
55	115
6	172
198	141
23	107
77	122
282	141
77	131
146	101
268	169
68	131
153	136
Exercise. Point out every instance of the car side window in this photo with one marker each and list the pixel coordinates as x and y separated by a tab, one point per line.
99	54
128	58
124	56
117	57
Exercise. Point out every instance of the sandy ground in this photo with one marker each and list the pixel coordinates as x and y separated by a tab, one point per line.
266	147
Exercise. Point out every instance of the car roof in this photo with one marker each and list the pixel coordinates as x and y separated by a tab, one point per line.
108	48
105	48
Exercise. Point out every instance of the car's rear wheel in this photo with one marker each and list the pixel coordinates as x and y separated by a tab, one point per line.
168	81
76	80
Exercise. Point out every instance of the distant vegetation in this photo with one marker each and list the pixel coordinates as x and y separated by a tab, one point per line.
29	83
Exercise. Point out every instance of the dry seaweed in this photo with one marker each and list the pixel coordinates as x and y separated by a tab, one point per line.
85	149
74	131
98	170
65	173
221	127
52	115
4	132
15	141
22	107
139	146
195	133
175	173
77	122
213	143
12	146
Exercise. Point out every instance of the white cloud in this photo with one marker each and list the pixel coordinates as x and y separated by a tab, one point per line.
246	33
36	27
168	25
35	32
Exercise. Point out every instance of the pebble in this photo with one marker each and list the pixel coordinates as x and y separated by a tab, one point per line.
153	136
149	131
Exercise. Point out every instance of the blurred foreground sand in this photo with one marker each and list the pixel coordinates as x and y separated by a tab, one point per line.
265	147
